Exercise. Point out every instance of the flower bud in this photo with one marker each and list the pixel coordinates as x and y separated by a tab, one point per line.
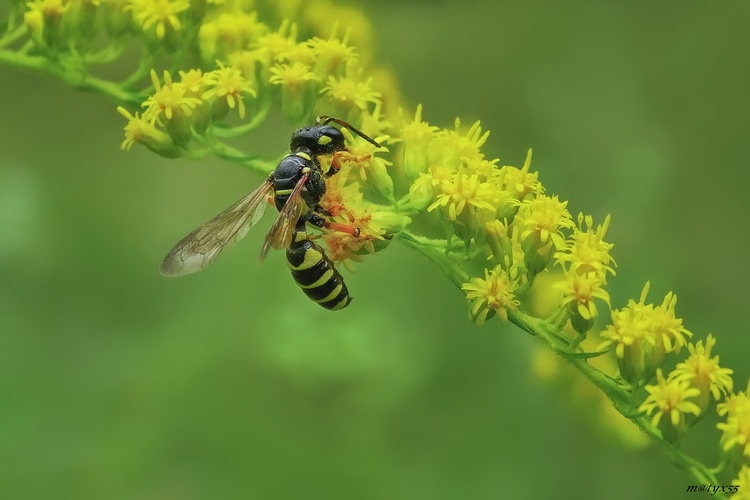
418	198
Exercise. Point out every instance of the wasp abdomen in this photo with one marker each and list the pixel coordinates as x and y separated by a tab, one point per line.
314	273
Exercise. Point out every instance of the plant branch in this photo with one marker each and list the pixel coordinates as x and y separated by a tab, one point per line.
74	79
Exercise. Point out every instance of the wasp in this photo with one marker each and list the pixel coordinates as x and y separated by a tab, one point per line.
296	186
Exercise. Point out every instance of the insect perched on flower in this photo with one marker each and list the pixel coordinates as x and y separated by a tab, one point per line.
297	184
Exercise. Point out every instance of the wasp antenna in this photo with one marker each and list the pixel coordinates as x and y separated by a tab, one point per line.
324	120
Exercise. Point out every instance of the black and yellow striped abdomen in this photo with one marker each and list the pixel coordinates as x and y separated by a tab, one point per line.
314	272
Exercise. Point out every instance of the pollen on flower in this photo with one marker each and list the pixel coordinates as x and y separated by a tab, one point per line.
339	249
292	76
494	292
587	251
734	404
630	329
332	53
228	84
194	81
339	193
579	292
343	200
667	327
736	429
137	128
170	99
343	247
541	221
417	133
543	218
353	91
141	129
436	176
453	146
363	217
158	13
670	398
643	334
272	46
486	170
460	191
363	158
703	371
519	181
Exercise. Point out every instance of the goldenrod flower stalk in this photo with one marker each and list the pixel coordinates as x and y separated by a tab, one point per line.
213	70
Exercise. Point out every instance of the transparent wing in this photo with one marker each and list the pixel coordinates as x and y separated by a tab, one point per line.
280	235
199	249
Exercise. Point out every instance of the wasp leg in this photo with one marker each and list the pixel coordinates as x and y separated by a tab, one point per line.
323	211
333	211
318	221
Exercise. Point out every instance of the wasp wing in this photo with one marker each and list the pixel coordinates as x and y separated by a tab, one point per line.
280	235
199	249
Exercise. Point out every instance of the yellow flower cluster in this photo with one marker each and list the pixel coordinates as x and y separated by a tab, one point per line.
586	261
687	389
247	65
736	428
315	76
643	334
493	294
158	16
670	398
185	107
360	164
320	72
497	212
703	372
344	201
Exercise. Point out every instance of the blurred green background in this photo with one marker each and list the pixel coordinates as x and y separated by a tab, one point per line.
116	383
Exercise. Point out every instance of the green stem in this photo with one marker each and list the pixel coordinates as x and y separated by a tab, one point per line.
77	80
144	67
259	117
11	37
226	152
435	250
